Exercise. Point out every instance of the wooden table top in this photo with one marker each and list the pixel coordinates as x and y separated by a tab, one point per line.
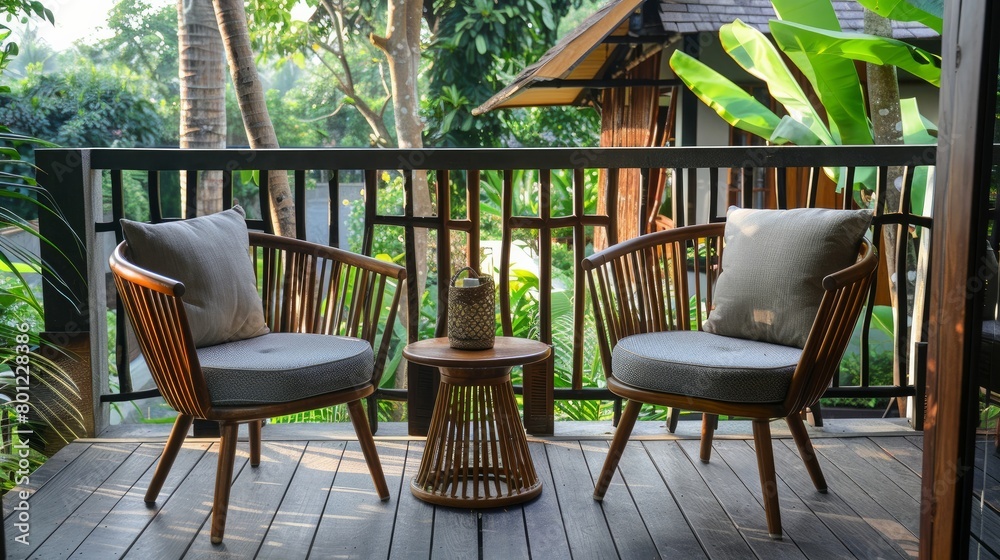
506	351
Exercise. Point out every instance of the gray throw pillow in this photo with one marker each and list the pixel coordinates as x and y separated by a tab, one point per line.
773	268
211	256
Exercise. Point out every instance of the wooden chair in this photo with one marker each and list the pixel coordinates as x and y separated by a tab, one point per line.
663	283
310	292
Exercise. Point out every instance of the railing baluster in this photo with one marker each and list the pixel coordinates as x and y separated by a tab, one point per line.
687	164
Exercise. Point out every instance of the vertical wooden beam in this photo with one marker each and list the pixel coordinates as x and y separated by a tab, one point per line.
966	116
689	103
76	256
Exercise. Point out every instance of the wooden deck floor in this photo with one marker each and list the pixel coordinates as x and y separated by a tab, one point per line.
314	498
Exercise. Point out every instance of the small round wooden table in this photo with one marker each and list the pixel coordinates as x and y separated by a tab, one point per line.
476	454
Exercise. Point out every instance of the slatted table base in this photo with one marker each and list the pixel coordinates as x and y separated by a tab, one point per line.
476	453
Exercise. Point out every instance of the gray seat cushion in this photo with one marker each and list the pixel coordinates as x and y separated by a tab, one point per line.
284	367
705	365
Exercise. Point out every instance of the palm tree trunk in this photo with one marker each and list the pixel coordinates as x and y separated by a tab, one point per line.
401	46
202	72
232	19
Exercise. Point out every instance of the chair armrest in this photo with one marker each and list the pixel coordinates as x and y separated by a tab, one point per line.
154	305
655	282
311	288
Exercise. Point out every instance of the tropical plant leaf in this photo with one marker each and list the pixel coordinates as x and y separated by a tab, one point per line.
752	50
858	46
817	13
883	319
728	100
927	12
835	81
791	131
833	78
917	130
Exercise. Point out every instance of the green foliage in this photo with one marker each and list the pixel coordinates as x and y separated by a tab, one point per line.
478	47
880	364
83	106
808	33
144	39
927	12
21	11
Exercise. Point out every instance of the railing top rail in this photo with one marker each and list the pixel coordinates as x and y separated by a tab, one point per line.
171	159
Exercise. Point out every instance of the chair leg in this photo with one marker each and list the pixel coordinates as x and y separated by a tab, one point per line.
708	424
625	426
768	480
806	451
177	434
367	442
254	427
673	418
223	478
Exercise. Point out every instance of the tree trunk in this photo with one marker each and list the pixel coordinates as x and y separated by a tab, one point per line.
202	73
232	20
883	106
401	46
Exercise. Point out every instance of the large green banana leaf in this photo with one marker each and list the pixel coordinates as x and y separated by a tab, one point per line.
917	130
857	46
757	55
817	13
791	131
927	12
833	78
729	100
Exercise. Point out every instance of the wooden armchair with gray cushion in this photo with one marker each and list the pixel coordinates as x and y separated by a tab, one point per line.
748	318
237	327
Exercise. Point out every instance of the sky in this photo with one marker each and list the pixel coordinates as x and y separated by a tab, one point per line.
77	19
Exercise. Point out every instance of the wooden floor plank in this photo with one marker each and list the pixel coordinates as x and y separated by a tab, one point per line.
254	499
294	525
985	525
51	467
128	519
72	532
317	499
856	457
632	538
355	523
979	551
583	518
456	533
660	513
868	531
986	481
745	510
61	495
798	522
714	529
504	534
172	530
546	533
414	527
903	450
918	441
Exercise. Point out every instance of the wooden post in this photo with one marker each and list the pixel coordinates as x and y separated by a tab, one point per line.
78	260
967	111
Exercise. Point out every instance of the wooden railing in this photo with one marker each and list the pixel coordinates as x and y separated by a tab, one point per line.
75	178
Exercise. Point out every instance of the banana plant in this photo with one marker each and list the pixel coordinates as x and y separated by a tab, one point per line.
809	34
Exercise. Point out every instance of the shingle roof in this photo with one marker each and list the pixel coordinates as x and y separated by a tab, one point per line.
688	16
